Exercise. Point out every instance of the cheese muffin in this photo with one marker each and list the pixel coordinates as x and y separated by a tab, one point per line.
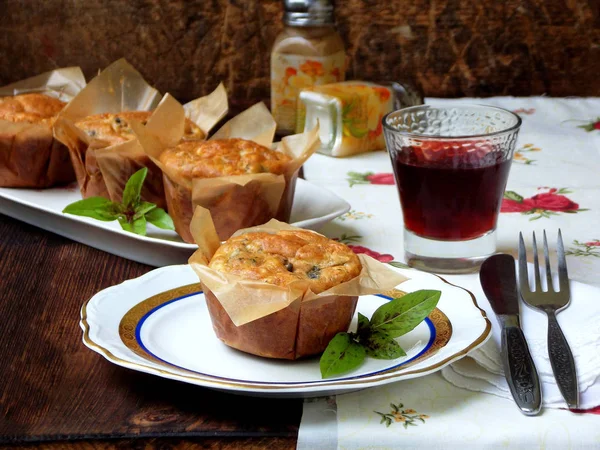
109	178
30	155
286	257
303	328
114	128
223	157
234	206
32	108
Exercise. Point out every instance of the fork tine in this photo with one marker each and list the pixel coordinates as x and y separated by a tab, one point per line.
536	265
549	286
523	277
563	277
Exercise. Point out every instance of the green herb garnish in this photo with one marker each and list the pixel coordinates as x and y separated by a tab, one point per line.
132	213
376	337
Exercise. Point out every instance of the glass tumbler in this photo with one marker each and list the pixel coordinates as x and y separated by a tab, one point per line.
451	164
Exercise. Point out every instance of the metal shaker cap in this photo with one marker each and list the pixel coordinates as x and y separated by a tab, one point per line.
308	13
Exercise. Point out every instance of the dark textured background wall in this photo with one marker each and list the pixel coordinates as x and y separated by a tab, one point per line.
450	47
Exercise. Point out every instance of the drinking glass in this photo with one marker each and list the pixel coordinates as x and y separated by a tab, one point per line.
451	164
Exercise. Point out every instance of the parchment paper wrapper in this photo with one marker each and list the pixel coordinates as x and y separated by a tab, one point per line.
274	321
238	201
103	170
29	155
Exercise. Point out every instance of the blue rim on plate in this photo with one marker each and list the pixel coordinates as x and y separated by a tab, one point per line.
109	321
146	316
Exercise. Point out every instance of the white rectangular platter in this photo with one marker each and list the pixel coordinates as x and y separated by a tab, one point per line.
313	207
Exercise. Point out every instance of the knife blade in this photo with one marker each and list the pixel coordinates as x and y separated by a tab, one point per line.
498	280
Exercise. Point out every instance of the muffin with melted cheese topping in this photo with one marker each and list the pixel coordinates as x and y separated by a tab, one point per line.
30	155
114	128
234	207
289	256
223	157
286	257
33	108
108	177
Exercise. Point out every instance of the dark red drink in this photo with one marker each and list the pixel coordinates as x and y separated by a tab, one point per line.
451	191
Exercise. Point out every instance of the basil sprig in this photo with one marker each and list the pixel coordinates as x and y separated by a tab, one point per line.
376	337
132	213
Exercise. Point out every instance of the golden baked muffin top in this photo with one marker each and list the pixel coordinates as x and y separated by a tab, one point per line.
30	108
288	256
222	157
114	128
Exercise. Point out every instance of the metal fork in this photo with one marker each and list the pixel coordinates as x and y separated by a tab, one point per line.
551	302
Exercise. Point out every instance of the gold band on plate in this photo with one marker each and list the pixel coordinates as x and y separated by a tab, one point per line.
130	320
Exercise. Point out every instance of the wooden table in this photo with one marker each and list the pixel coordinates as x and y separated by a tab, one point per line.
56	393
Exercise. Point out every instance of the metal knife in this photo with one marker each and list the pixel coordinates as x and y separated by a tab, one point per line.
497	276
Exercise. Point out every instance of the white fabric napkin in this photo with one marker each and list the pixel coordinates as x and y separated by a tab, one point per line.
482	370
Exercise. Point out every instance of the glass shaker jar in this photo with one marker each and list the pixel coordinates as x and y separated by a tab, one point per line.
308	52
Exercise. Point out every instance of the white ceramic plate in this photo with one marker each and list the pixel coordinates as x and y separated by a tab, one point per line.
159	324
313	207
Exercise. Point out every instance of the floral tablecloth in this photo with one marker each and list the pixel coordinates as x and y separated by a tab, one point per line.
554	183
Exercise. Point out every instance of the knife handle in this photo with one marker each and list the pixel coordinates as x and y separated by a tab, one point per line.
520	371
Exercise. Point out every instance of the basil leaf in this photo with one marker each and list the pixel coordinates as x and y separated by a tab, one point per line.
159	218
95	207
401	315
142	208
133	188
341	355
125	224
363	325
137	226
381	346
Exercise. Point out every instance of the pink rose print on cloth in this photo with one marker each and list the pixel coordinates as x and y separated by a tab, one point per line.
381	257
370	178
358	249
544	204
595	410
594	125
591	248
